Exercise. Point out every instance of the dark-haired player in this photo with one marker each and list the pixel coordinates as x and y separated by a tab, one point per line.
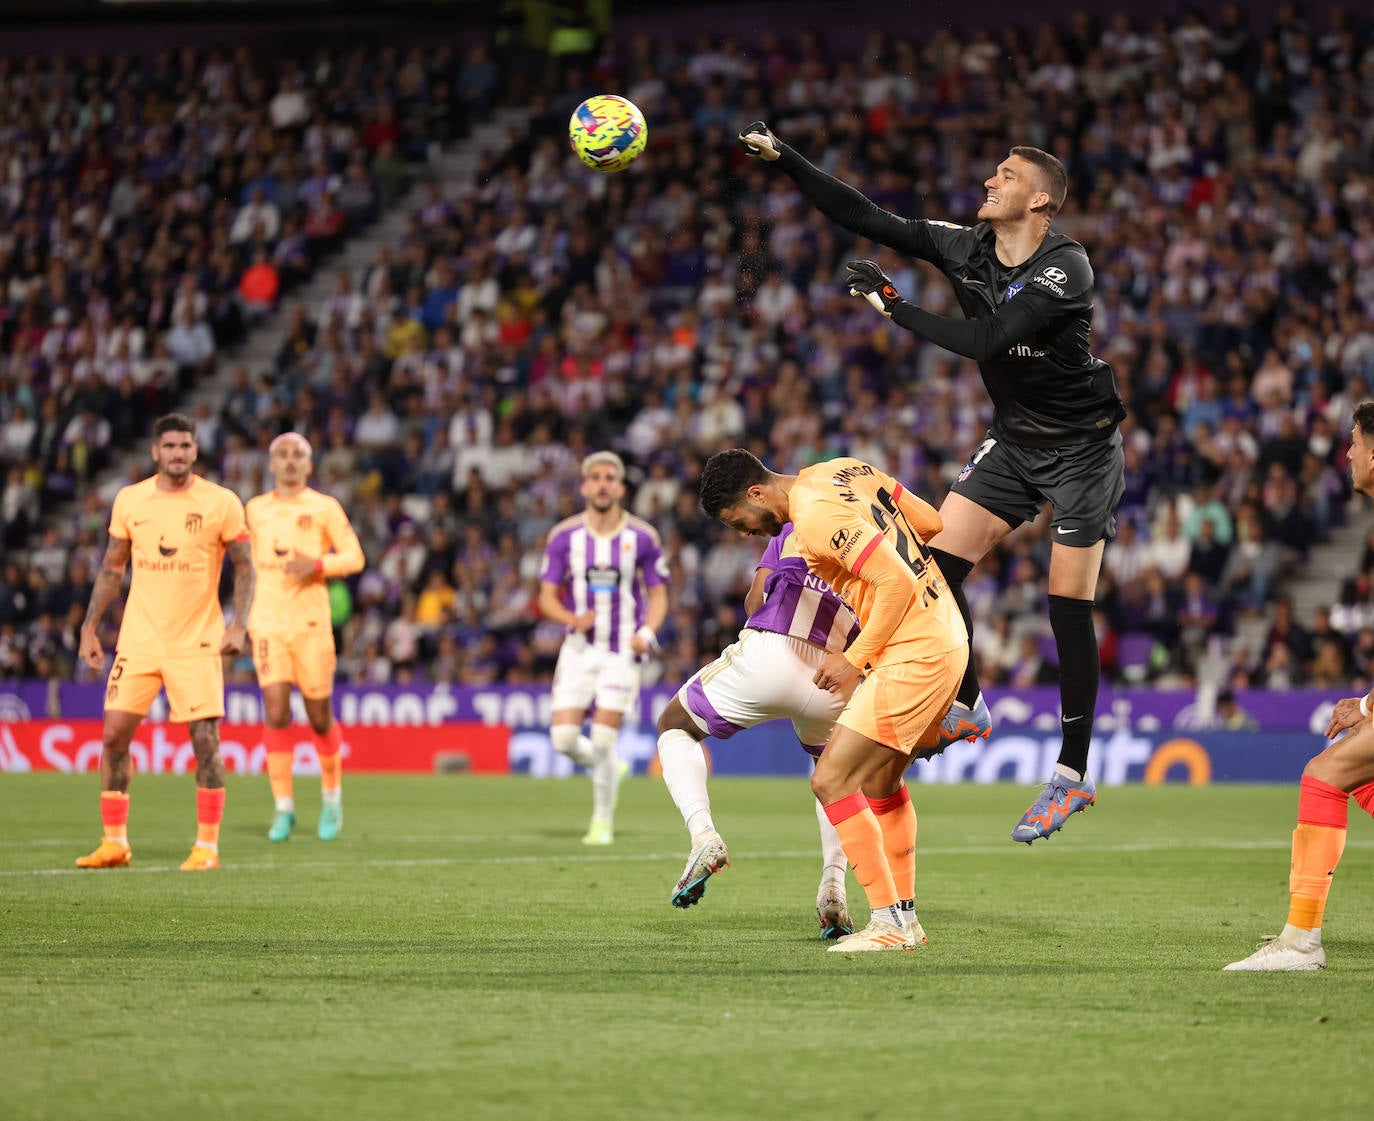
175	529
1026	294
863	533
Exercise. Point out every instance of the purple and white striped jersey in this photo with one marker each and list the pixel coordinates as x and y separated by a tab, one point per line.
798	603
608	575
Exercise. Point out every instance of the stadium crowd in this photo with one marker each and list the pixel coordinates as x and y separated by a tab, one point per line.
1219	179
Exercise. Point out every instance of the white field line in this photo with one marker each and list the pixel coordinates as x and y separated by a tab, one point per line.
654	857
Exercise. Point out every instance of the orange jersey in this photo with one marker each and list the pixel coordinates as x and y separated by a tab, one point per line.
310	523
176	545
864	533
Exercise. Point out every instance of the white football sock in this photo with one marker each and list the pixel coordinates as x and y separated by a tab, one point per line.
605	771
834	863
684	773
1303	939
892	914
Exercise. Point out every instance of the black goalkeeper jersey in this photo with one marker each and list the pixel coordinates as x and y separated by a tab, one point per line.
1027	325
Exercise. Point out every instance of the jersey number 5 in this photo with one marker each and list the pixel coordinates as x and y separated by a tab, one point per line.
893	525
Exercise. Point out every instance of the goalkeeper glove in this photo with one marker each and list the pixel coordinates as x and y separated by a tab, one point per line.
866	279
757	140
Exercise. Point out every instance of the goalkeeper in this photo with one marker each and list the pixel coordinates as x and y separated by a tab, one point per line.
1026	295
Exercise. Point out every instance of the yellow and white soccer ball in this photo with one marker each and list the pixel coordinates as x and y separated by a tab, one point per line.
607	132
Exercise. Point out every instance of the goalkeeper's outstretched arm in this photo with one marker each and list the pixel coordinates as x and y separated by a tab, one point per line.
838	201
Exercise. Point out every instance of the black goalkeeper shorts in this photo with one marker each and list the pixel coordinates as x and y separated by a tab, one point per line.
1083	482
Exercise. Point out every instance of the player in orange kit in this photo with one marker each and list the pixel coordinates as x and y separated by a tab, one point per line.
1331	778
864	534
176	528
301	539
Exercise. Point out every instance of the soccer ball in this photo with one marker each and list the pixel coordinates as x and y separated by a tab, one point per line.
607	132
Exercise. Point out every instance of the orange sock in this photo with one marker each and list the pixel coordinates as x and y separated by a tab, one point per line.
862	839
897	819
114	815
209	813
331	762
1318	842
280	744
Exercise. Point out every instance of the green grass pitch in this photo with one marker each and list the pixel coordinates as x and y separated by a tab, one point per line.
458	953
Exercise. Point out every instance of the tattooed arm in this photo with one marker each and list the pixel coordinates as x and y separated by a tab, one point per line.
107	584
236	637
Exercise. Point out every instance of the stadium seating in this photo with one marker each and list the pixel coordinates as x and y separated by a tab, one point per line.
539	312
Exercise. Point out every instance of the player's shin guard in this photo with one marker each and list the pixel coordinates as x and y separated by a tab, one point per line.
209	814
897	819
684	773
1318	842
114	816
955	570
1080	670
331	762
862	838
280	744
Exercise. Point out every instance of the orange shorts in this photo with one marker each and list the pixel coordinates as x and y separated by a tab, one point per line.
194	684
305	659
901	705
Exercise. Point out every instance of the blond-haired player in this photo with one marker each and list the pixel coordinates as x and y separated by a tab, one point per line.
605	579
175	529
864	534
301	539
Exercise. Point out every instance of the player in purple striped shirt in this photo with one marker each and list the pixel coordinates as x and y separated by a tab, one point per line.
795	619
605	578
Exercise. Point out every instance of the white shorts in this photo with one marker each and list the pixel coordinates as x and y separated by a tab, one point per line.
586	673
764	676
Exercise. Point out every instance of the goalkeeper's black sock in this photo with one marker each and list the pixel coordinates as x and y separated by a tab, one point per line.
1079	672
955	570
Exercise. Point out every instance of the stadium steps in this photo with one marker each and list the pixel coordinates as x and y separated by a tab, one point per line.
454	166
1317	582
